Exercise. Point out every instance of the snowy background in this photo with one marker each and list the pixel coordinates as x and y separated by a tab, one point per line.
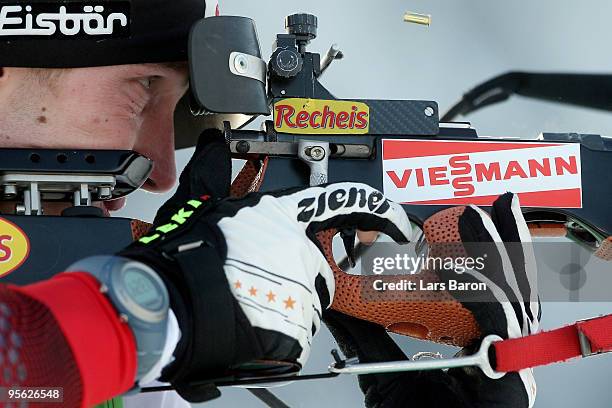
469	41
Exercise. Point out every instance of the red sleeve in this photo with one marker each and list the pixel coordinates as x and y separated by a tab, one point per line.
65	333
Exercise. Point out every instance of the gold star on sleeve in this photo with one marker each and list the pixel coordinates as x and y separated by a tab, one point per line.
271	297
289	303
253	291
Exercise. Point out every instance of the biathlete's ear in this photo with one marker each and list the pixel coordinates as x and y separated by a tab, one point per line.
209	172
349	205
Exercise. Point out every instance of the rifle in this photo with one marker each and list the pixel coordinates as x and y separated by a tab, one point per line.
315	138
403	149
400	147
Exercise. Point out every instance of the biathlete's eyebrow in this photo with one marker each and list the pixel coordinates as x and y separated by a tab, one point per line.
177	66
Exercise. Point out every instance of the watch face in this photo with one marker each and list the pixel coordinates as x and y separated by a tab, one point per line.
141	288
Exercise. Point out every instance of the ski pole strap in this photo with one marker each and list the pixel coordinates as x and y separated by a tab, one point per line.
581	339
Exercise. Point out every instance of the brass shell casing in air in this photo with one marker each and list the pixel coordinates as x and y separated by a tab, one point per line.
417	18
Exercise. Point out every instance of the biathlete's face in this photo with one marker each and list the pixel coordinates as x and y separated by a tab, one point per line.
127	107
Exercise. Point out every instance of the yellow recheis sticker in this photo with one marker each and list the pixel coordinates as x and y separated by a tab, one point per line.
14	247
320	116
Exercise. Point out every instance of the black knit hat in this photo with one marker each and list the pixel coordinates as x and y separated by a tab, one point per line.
86	33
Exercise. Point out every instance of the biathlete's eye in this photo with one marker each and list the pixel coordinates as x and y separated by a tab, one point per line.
147	82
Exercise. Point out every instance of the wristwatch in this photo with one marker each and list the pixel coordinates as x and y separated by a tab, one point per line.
140	298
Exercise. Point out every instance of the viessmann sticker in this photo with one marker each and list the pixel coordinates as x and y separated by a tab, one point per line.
460	172
14	247
319	116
